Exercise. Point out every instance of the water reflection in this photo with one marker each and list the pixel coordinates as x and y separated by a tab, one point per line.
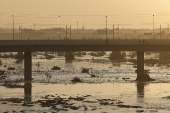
97	95
27	93
117	64
140	89
140	94
68	61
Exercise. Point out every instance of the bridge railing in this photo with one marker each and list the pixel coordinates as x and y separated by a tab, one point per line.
87	42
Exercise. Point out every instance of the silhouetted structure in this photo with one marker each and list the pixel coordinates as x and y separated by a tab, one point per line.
84	45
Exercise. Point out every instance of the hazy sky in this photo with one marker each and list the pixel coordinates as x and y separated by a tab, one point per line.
45	13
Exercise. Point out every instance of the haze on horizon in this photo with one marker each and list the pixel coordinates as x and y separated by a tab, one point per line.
90	13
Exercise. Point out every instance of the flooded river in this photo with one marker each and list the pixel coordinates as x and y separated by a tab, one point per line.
84	85
83	97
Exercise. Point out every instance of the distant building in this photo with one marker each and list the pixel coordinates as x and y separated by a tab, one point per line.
102	31
147	34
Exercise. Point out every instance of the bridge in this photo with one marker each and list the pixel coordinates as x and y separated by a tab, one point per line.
140	46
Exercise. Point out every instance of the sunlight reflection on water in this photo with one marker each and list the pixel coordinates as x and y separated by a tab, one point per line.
112	90
148	96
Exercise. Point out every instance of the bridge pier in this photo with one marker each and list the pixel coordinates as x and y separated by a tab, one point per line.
27	65
141	75
69	56
140	65
116	55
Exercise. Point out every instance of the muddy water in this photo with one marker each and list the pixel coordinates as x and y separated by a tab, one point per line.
105	97
112	89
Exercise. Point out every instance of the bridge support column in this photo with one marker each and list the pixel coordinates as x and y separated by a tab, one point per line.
141	75
140	65
27	65
116	55
69	56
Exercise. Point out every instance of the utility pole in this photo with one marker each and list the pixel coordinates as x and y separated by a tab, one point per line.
113	31
118	32
13	26
66	32
106	27
160	31
168	31
153	30
77	29
21	32
59	28
70	32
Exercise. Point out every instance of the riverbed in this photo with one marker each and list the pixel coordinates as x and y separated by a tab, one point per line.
104	86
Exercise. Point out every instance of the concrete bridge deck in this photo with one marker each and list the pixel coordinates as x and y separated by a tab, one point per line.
87	42
85	45
140	46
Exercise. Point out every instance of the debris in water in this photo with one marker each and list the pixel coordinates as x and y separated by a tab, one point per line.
56	68
76	79
85	70
11	68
